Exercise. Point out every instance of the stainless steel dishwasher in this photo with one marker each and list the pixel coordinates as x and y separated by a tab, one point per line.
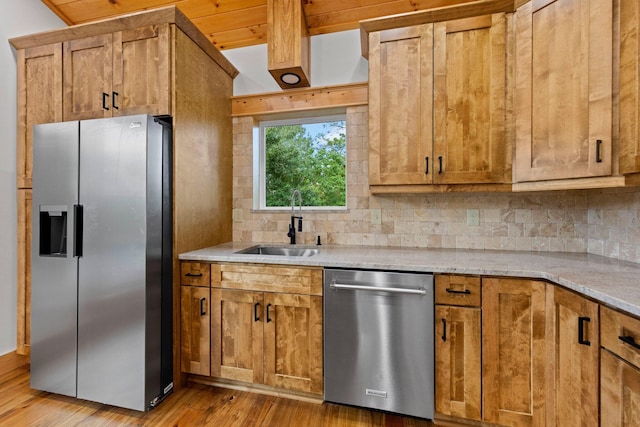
378	340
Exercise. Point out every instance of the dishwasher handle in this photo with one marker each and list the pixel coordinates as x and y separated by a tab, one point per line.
338	286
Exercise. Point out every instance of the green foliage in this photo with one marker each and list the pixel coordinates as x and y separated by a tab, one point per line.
314	165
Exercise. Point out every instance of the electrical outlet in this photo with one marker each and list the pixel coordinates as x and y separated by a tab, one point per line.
237	215
376	216
473	217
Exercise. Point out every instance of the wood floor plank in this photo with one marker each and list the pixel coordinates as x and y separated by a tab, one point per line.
195	405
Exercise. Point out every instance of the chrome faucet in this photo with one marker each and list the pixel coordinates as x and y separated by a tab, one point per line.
292	227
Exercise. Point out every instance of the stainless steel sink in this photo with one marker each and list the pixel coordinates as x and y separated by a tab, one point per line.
278	251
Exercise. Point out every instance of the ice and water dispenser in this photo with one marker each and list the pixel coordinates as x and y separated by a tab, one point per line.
53	231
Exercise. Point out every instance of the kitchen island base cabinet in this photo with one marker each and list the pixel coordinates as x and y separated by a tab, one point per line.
514	351
195	330
620	393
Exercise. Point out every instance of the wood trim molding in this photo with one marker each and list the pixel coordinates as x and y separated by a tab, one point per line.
170	14
438	188
448	13
572	184
11	361
295	100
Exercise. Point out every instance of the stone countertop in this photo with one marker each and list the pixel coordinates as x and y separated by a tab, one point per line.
610	281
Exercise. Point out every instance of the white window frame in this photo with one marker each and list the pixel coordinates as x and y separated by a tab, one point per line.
259	161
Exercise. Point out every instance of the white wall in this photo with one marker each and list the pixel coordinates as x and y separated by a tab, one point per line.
335	60
17	19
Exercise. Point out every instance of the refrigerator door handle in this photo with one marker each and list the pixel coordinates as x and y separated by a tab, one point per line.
77	230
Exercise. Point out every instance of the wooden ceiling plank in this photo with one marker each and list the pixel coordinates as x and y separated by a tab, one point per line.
240	37
81	11
54	7
210	8
233	20
356	15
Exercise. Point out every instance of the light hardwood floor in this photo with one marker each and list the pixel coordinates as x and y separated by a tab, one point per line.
195	405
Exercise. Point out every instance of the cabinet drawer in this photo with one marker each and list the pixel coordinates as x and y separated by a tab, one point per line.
620	334
268	278
458	290
195	274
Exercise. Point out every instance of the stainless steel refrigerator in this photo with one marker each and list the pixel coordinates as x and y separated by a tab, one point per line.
101	260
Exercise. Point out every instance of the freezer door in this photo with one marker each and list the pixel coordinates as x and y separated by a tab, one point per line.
115	183
53	267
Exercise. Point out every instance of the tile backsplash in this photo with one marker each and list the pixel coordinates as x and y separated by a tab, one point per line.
603	222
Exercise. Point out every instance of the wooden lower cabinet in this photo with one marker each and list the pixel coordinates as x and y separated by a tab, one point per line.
458	355
574	334
620	391
195	319
263	337
24	272
514	351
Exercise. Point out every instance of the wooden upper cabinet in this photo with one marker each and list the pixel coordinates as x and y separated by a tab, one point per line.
470	144
575	333
39	100
400	105
514	351
141	71
563	95
87	77
629	87
121	73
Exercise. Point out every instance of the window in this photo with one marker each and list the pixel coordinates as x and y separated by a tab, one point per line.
306	154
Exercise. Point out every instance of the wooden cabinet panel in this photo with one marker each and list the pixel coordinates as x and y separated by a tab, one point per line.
470	144
268	278
514	351
620	334
629	87
400	105
237	335
293	342
195	274
24	272
195	330
87	65
141	71
458	290
39	100
458	355
620	392
576	341
564	78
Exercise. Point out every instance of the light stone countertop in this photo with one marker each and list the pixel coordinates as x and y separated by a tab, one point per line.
610	281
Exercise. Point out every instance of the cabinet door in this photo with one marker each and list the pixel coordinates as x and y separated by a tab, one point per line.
514	351
400	105
293	342
563	97
237	335
629	87
458	371
620	392
39	100
141	76
469	101
24	272
195	330
87	77
576	335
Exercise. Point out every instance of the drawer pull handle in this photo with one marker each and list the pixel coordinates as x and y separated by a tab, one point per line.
581	339
444	330
629	340
255	312
203	306
453	291
193	275
268	318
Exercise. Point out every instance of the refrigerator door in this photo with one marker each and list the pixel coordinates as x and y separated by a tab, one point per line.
54	269
114	189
